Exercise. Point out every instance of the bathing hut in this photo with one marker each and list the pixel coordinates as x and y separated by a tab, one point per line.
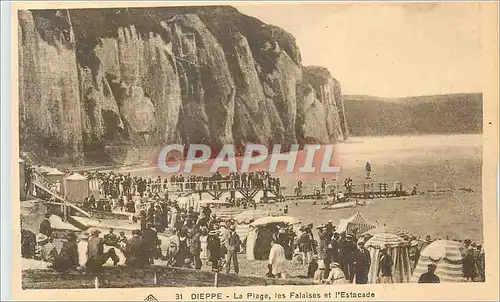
77	188
260	233
356	222
446	255
55	176
397	248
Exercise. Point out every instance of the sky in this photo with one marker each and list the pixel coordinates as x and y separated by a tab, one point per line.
386	50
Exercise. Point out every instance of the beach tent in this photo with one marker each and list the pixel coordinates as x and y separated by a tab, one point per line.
399	251
446	255
385	229
77	188
260	232
356	221
54	175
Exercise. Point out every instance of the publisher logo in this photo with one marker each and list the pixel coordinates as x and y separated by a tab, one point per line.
150	298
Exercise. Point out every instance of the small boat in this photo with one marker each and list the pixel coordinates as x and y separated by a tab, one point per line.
342	205
348	204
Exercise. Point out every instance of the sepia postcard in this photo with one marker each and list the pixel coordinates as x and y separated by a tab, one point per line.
270	151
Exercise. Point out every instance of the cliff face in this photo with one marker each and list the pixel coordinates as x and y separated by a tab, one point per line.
91	78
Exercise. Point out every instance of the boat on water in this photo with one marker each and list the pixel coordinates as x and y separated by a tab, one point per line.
348	204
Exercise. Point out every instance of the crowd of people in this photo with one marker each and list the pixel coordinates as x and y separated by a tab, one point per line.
327	255
114	184
343	258
181	246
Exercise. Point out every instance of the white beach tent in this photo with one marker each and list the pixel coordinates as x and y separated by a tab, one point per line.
446	255
356	221
257	225
54	175
397	249
77	188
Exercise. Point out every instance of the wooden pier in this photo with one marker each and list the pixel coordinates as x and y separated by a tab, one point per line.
217	188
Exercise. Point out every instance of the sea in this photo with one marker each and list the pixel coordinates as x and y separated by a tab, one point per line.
442	163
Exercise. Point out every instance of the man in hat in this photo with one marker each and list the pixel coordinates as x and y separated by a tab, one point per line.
137	251
469	265
195	248
233	248
362	262
110	238
429	276
96	254
151	237
385	263
332	252
214	249
305	246
68	257
45	227
347	251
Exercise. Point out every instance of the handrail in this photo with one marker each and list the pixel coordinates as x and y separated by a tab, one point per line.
45	184
195	186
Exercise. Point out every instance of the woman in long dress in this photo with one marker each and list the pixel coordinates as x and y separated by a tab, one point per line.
277	261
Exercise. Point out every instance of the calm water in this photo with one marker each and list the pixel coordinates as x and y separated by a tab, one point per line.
441	161
444	161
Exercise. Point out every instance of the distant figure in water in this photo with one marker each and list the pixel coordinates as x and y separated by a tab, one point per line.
415	190
368	169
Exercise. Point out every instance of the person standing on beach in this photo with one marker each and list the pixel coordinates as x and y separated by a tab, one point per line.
384	273
305	246
276	264
362	263
368	168
45	227
233	248
214	249
195	248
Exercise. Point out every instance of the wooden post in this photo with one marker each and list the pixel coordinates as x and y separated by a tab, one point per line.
216	279
155	278
96	282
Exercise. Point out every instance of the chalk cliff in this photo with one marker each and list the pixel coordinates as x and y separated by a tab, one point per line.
143	77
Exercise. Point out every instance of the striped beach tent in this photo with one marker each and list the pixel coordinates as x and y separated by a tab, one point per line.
386	229
397	249
356	222
446	255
